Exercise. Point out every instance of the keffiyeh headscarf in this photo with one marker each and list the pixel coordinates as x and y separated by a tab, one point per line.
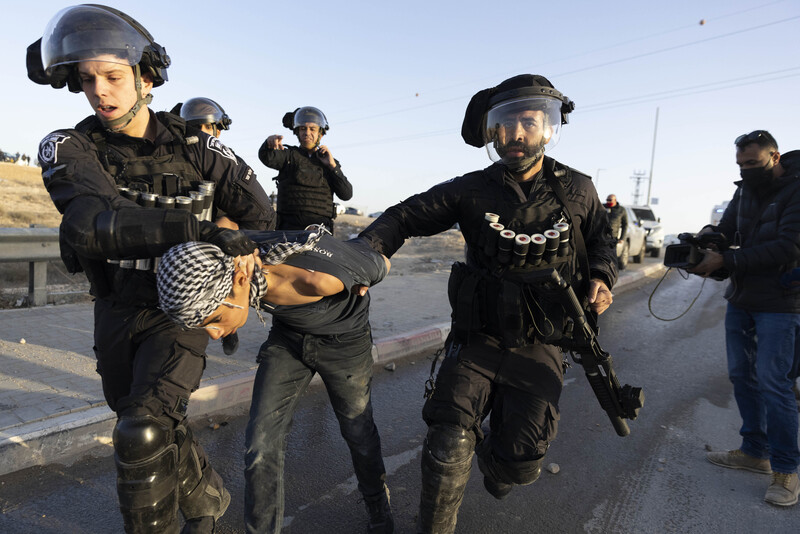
194	278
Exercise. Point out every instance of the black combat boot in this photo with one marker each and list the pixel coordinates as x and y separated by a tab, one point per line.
380	513
499	490
199	525
230	343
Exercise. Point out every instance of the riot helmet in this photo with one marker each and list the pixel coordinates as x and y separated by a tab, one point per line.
306	115
200	110
98	33
517	121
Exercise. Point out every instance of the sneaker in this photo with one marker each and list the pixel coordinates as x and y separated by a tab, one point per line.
380	513
736	459
784	489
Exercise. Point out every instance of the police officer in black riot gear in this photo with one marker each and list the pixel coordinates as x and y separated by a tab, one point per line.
204	114
524	213
116	178
207	116
308	175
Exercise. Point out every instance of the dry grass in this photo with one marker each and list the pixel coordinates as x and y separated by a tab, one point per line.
23	198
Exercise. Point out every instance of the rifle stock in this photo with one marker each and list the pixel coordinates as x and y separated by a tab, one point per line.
580	339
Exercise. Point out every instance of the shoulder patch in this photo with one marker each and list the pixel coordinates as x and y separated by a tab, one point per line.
48	148
248	175
215	145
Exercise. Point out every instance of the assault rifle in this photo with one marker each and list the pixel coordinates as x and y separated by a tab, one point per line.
580	339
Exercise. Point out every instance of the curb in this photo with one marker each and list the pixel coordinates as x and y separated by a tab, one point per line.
66	438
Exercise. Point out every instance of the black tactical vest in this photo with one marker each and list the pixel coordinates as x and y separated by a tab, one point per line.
495	297
170	174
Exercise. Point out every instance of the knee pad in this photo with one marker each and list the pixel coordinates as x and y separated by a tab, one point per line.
139	437
147	481
450	443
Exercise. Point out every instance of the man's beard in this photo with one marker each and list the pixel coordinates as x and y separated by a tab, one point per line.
520	165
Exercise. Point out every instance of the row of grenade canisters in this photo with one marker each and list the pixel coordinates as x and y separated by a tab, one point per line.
520	250
199	203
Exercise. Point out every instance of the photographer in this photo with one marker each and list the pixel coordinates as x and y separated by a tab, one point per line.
762	322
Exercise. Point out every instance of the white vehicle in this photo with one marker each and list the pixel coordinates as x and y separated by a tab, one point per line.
634	246
654	232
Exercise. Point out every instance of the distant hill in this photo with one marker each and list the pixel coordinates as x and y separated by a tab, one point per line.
23	198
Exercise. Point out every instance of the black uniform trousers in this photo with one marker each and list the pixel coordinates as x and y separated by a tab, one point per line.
518	387
148	364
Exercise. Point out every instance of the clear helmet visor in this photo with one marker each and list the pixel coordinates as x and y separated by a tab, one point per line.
309	115
518	132
82	33
204	111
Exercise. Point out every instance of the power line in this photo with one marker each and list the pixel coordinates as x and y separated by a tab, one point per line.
694	89
581	54
674	93
591	67
676	47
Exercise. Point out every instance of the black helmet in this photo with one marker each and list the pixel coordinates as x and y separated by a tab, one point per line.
85	32
524	86
495	114
200	110
304	115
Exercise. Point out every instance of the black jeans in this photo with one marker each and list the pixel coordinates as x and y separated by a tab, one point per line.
287	362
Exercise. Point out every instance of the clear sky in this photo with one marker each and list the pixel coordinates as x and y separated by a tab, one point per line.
394	79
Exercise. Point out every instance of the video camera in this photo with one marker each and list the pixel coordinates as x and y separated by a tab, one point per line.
688	253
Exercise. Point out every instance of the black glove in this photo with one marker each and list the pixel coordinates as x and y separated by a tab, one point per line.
232	242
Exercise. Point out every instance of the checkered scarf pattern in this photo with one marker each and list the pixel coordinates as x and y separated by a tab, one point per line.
286	244
194	278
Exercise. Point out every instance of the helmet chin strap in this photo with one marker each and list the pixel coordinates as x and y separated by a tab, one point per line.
523	165
120	123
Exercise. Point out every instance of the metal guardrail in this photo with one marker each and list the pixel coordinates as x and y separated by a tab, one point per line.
35	246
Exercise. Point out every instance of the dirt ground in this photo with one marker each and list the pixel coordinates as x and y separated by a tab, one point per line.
24	201
418	254
23	198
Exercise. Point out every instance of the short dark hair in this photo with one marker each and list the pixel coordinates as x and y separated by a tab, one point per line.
762	138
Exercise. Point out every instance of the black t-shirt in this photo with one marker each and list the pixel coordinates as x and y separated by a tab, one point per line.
353	262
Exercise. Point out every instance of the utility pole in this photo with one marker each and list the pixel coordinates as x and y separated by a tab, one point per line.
639	177
652	160
597	178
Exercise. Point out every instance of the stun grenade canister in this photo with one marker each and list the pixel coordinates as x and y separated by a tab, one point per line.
492	239
522	243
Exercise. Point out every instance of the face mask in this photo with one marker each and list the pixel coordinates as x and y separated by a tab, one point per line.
757	176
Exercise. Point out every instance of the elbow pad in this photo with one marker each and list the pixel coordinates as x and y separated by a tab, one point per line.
143	232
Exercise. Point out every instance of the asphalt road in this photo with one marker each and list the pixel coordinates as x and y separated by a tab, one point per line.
654	481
